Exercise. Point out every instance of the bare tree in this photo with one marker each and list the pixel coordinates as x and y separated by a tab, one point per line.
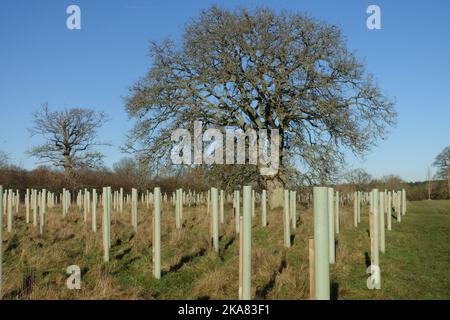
442	163
133	171
126	168
4	159
391	182
358	178
261	70
70	138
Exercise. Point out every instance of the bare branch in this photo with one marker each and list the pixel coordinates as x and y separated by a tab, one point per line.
71	136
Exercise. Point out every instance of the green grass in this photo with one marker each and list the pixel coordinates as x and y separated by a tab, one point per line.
414	265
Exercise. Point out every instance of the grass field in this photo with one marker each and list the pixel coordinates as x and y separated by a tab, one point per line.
414	266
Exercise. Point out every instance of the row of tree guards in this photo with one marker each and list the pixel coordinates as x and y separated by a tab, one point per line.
326	216
322	248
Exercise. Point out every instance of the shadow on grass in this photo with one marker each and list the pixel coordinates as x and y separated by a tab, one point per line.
122	254
28	282
292	239
261	294
334	290
185	259
127	264
229	243
367	259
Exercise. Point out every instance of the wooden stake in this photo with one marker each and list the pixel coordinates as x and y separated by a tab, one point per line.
312	278
241	251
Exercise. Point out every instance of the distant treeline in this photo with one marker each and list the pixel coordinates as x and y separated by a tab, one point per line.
17	178
419	190
20	179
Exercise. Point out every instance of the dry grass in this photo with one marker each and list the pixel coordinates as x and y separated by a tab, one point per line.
35	266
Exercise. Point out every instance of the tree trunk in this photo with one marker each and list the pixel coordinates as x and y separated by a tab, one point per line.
429	190
69	175
275	191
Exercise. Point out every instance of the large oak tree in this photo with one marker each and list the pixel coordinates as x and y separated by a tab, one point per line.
261	70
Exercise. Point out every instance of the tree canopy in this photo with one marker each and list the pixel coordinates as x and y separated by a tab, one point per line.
4	159
261	70
442	163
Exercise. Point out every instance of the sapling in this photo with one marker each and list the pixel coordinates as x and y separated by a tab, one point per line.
10	210
331	226
105	227
222	206
321	243
389	211
215	218
247	244
287	226
292	209
264	208
237	210
42	211
157	233
336	212
94	210
27	206
381	222
375	233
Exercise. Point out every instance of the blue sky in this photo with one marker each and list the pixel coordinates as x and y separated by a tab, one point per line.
42	61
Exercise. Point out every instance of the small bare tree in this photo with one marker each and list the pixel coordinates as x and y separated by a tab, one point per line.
442	163
132	170
392	182
71	136
359	178
4	159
